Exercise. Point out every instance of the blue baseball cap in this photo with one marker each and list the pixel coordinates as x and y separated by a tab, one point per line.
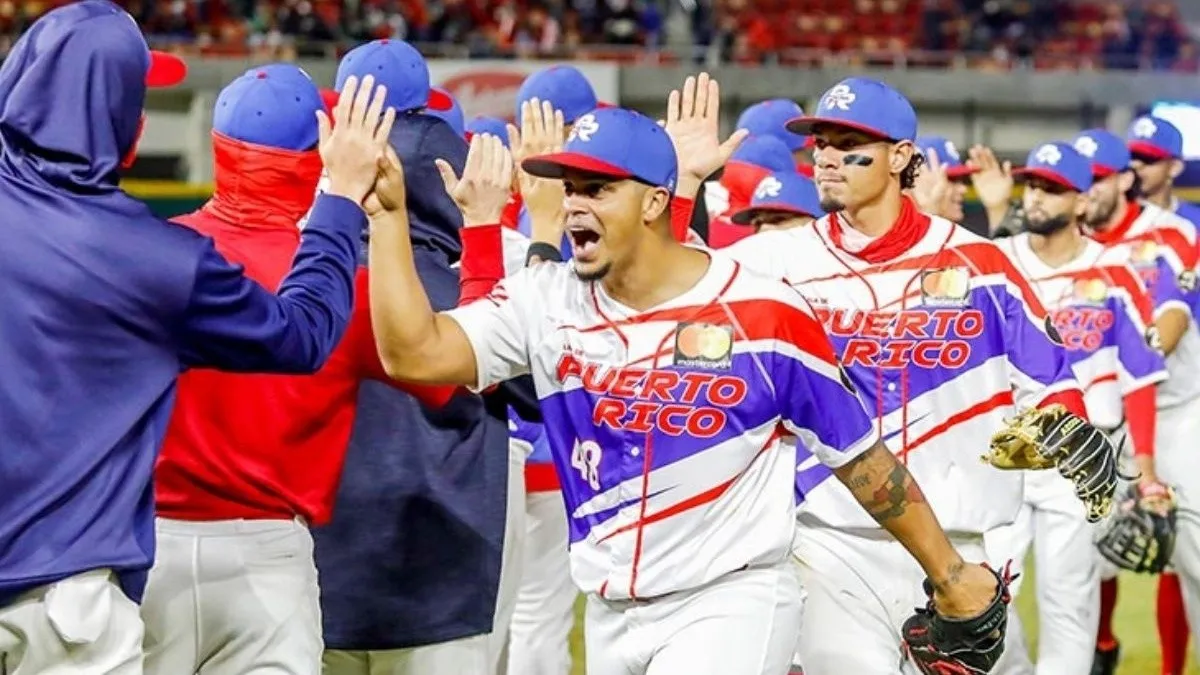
1058	163
865	105
785	191
273	106
1154	138
488	125
765	152
452	116
770	118
1105	150
613	142
947	154
398	66
565	87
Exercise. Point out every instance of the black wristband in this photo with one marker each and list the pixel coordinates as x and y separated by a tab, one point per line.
542	252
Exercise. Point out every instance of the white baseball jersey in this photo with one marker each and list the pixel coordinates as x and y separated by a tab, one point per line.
1162	248
942	336
666	425
1102	313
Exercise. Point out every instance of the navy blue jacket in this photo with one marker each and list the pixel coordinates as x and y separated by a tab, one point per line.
104	305
412	555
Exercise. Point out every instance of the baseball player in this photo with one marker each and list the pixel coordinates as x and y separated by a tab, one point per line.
1103	314
943	336
105	306
1162	248
1157	149
244	470
941	183
756	157
783	200
661	371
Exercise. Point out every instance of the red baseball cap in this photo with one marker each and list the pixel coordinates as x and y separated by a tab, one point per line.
166	70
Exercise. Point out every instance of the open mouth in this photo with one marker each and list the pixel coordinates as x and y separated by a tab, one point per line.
584	241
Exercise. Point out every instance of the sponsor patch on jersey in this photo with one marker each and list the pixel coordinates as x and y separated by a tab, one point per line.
948	286
1091	291
1144	252
703	345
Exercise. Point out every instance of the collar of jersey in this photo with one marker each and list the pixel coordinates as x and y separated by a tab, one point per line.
1117	232
910	227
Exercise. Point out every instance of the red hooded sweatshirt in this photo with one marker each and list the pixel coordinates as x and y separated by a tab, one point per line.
266	446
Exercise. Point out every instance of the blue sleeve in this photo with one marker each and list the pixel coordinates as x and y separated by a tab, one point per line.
234	324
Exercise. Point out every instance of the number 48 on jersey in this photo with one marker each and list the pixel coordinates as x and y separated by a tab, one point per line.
585	458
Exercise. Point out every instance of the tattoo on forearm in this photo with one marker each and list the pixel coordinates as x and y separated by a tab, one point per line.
881	484
953	574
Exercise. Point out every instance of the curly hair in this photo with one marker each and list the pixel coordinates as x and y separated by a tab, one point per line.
908	175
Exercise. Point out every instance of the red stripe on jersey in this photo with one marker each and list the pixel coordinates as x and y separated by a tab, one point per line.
1100	379
1173	239
709	495
983	407
983	258
1120	276
757	319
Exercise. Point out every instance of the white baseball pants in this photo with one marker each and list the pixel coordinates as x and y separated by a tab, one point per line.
745	623
543	616
82	625
484	654
1052	520
233	596
861	588
1176	446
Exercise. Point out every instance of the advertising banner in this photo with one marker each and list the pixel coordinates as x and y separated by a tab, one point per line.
489	87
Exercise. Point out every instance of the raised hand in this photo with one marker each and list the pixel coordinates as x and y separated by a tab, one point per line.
932	184
353	143
542	132
389	193
483	189
992	179
693	123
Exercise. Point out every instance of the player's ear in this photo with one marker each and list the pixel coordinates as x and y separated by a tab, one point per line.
655	202
899	157
1176	168
131	156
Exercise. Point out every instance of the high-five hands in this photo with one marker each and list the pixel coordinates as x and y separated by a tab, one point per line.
352	145
483	189
542	132
693	123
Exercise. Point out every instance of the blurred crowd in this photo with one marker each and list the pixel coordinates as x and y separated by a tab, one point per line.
984	34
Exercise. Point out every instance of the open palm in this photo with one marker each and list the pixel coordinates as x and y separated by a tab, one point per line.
693	123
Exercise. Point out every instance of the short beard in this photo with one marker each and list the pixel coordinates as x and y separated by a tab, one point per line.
596	275
831	205
1048	226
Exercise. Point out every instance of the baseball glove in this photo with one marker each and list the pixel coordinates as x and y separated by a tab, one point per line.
939	645
1141	536
1044	438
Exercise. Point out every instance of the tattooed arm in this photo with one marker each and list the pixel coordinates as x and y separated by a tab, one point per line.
888	492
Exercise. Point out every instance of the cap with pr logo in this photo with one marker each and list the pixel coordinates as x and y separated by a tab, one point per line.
1154	138
865	105
613	142
770	118
782	191
947	155
1106	151
398	66
1058	163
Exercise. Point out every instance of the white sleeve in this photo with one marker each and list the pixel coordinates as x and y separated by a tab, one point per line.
498	326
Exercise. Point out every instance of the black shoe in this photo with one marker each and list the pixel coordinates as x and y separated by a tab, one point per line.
1105	661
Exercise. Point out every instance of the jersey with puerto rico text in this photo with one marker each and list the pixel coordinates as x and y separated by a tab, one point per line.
1102	313
942	341
666	426
1162	248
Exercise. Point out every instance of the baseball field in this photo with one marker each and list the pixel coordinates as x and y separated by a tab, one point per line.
1135	627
